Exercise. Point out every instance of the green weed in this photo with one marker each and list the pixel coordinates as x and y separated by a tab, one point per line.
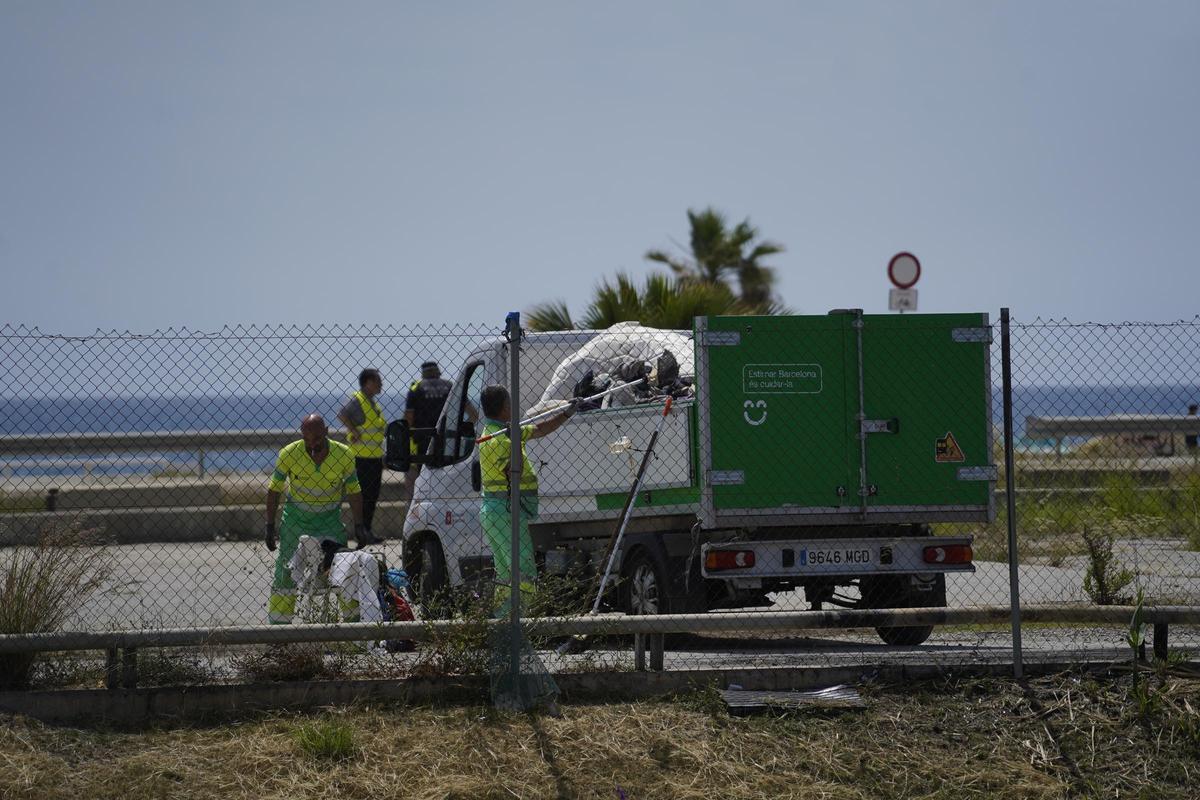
328	740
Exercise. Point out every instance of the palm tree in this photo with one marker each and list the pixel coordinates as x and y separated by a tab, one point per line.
663	302
718	252
698	285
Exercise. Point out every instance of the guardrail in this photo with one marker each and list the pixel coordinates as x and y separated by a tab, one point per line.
103	442
200	442
1037	427
646	629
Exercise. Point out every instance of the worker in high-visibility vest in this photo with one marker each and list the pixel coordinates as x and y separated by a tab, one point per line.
495	511
365	428
316	473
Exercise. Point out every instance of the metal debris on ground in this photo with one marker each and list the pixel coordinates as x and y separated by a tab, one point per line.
741	701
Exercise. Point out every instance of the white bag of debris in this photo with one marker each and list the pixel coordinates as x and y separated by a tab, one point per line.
619	350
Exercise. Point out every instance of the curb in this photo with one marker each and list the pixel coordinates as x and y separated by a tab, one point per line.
125	707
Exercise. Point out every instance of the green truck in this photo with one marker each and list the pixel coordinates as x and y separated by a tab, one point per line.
813	454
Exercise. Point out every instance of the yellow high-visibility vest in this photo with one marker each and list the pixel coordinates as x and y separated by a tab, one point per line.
370	433
494	457
310	488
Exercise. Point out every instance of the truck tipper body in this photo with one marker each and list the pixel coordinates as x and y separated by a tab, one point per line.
815	453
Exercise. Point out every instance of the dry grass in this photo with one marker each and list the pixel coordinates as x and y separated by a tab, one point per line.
1063	737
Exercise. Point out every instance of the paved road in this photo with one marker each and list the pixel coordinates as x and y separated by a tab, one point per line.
226	583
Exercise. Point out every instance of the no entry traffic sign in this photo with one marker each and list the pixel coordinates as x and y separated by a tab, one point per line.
904	270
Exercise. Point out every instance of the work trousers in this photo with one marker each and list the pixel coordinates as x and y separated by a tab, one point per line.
370	476
496	519
282	605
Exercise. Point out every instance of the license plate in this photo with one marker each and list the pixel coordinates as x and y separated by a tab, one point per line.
834	557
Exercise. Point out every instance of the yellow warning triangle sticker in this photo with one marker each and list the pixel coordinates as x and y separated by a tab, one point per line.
946	449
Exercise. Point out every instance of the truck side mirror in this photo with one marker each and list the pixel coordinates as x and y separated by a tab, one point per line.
397	454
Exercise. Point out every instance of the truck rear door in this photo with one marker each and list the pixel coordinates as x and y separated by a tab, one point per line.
844	418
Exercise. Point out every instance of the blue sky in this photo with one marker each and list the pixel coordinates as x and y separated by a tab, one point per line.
170	164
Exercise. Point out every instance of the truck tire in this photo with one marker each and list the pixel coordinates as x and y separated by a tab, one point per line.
892	591
643	585
432	581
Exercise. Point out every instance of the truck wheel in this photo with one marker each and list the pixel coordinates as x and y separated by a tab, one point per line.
889	591
432	582
643	586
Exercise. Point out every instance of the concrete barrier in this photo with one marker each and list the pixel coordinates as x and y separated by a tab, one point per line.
179	494
201	523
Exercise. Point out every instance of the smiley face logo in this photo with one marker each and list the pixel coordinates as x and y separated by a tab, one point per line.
748	408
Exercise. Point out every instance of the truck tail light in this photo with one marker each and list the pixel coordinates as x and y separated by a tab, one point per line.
949	554
729	559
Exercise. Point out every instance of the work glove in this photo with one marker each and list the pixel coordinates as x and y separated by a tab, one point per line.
363	536
269	536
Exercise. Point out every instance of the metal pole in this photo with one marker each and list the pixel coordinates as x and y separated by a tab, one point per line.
513	333
1014	583
861	418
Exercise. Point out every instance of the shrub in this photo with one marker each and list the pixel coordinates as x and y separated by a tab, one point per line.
41	585
1188	504
1124	497
1105	578
302	661
461	651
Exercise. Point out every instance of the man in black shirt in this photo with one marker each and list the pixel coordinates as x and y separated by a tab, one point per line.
422	408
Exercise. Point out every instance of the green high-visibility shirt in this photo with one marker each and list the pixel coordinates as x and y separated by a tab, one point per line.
314	492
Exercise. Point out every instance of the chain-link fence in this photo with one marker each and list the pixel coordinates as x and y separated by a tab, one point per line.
1107	473
752	467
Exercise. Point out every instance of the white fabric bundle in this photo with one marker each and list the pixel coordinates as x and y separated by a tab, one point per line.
354	574
608	351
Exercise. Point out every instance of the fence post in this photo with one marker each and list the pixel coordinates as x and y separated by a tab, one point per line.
516	466
1010	496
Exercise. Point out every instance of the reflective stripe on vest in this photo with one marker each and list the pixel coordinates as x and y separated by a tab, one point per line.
312	488
281	606
315	508
370	433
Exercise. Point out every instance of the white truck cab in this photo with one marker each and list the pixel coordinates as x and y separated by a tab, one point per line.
584	469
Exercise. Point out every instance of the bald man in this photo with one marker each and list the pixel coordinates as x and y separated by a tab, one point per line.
317	474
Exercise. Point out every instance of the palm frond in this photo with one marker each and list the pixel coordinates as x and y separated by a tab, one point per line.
551	316
764	249
678	266
613	303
